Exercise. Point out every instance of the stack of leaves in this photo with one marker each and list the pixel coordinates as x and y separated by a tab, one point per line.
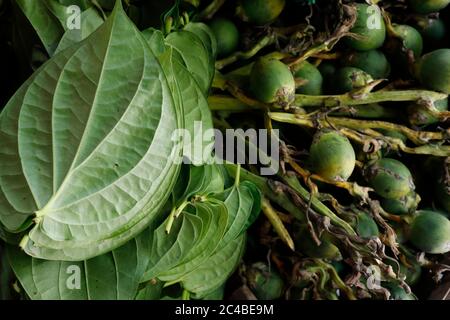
91	180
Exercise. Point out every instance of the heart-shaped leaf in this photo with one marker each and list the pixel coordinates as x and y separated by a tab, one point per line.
85	140
212	274
214	217
112	276
195	57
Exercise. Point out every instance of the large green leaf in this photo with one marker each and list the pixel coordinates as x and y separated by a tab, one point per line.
205	34
198	146
213	273
41	15
243	202
111	276
86	142
150	291
155	39
214	217
195	56
169	249
203	181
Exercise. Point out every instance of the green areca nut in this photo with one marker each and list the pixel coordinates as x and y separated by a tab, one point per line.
369	28
226	34
332	155
271	81
390	178
261	12
430	232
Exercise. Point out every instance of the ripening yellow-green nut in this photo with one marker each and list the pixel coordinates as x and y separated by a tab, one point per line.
271	81
428	6
430	232
433	70
261	12
332	155
390	178
369	28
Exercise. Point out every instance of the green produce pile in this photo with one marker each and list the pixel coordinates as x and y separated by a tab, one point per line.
99	201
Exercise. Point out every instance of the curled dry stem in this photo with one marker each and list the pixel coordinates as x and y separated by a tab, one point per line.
420	138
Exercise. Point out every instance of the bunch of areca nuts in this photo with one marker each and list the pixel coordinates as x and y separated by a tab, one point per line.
358	94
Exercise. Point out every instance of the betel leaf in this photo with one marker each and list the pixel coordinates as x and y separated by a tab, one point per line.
41	15
243	202
202	181
111	276
150	291
213	273
195	56
217	294
214	217
198	146
205	34
90	20
85	140
155	39
170	249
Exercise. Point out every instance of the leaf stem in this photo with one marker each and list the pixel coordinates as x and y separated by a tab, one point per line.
237	176
170	220
241	96
418	137
276	223
244	55
229	104
276	196
316	204
210	10
186	295
352	99
181	208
